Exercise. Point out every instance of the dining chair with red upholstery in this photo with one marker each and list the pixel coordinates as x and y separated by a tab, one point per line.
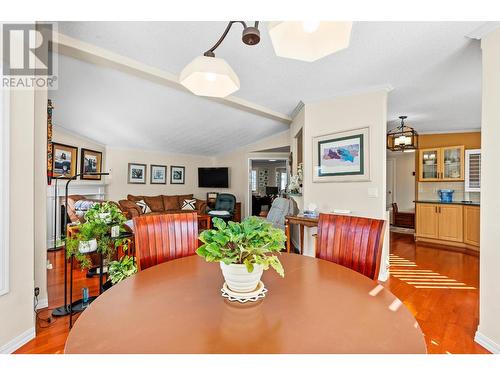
160	238
353	242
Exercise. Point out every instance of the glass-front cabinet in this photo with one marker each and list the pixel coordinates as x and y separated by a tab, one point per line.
429	164
453	163
441	164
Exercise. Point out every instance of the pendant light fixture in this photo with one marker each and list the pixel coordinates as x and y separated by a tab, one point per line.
402	138
309	40
208	75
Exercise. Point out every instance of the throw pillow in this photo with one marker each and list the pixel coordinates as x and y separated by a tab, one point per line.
189	204
155	203
170	202
181	198
143	206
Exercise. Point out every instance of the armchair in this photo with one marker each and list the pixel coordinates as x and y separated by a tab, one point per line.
224	207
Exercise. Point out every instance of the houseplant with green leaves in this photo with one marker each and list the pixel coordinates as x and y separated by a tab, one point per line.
244	250
95	234
119	270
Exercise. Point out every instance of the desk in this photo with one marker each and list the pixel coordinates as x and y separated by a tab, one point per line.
176	307
302	222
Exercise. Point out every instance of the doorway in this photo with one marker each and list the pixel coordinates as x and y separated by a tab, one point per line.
268	179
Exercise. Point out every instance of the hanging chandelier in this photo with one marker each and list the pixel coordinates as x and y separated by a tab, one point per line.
402	138
208	75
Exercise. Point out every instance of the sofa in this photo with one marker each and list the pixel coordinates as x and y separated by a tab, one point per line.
159	204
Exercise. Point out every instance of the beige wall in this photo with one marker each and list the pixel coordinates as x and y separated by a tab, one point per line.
117	163
40	198
61	135
237	161
16	307
343	114
488	333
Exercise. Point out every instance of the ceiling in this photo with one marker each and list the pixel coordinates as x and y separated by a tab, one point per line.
434	69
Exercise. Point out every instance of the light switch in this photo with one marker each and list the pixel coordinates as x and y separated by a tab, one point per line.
372	192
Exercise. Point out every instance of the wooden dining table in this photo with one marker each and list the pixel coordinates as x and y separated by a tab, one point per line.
177	307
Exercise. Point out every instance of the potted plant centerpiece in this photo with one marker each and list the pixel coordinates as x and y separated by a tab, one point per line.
244	250
96	234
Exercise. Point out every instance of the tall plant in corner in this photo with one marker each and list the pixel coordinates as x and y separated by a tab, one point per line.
244	250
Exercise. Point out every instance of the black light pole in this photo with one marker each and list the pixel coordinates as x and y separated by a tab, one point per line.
65	309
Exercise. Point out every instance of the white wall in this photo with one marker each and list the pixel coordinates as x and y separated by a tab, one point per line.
404	180
16	307
337	115
488	332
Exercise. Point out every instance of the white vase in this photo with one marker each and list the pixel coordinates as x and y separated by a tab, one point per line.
238	279
87	246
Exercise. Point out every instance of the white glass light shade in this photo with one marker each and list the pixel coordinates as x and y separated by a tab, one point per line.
309	41
209	76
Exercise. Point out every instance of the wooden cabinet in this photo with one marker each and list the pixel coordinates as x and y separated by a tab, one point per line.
471	225
427	220
440	221
448	224
442	164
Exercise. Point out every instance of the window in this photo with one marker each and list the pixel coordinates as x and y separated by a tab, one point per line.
283	180
254	180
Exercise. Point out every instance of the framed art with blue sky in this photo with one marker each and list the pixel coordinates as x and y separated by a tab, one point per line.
342	157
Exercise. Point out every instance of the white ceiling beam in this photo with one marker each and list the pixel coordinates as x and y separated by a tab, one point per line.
77	49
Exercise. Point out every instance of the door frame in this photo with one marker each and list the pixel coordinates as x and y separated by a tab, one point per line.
249	175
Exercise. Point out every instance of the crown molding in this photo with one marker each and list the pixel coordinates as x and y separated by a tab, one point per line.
483	30
450	131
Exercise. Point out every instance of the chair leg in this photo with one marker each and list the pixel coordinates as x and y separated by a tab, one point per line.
287	232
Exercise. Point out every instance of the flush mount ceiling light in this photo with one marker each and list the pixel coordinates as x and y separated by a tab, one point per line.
402	138
208	75
309	40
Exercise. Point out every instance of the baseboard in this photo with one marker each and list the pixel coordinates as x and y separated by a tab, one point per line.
488	343
18	341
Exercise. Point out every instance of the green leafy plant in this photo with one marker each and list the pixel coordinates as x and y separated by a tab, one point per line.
119	270
253	241
99	220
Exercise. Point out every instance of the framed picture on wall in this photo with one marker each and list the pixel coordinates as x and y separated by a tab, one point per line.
64	160
90	162
342	157
136	173
158	174
177	174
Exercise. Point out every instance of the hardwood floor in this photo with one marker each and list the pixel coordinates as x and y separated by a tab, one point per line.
439	287
51	337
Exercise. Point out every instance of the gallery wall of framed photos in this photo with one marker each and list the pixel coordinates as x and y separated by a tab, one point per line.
74	154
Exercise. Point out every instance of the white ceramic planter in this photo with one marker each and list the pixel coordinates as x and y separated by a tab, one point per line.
87	246
238	279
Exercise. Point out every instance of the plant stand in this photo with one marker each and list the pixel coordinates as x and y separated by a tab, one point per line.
78	306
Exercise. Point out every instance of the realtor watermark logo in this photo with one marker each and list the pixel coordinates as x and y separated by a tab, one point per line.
28	57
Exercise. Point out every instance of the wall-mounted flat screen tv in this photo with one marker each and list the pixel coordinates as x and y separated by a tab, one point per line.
213	177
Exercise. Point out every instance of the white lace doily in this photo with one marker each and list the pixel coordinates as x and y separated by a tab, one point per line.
258	293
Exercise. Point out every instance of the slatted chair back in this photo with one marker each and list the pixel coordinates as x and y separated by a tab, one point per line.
160	238
353	242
